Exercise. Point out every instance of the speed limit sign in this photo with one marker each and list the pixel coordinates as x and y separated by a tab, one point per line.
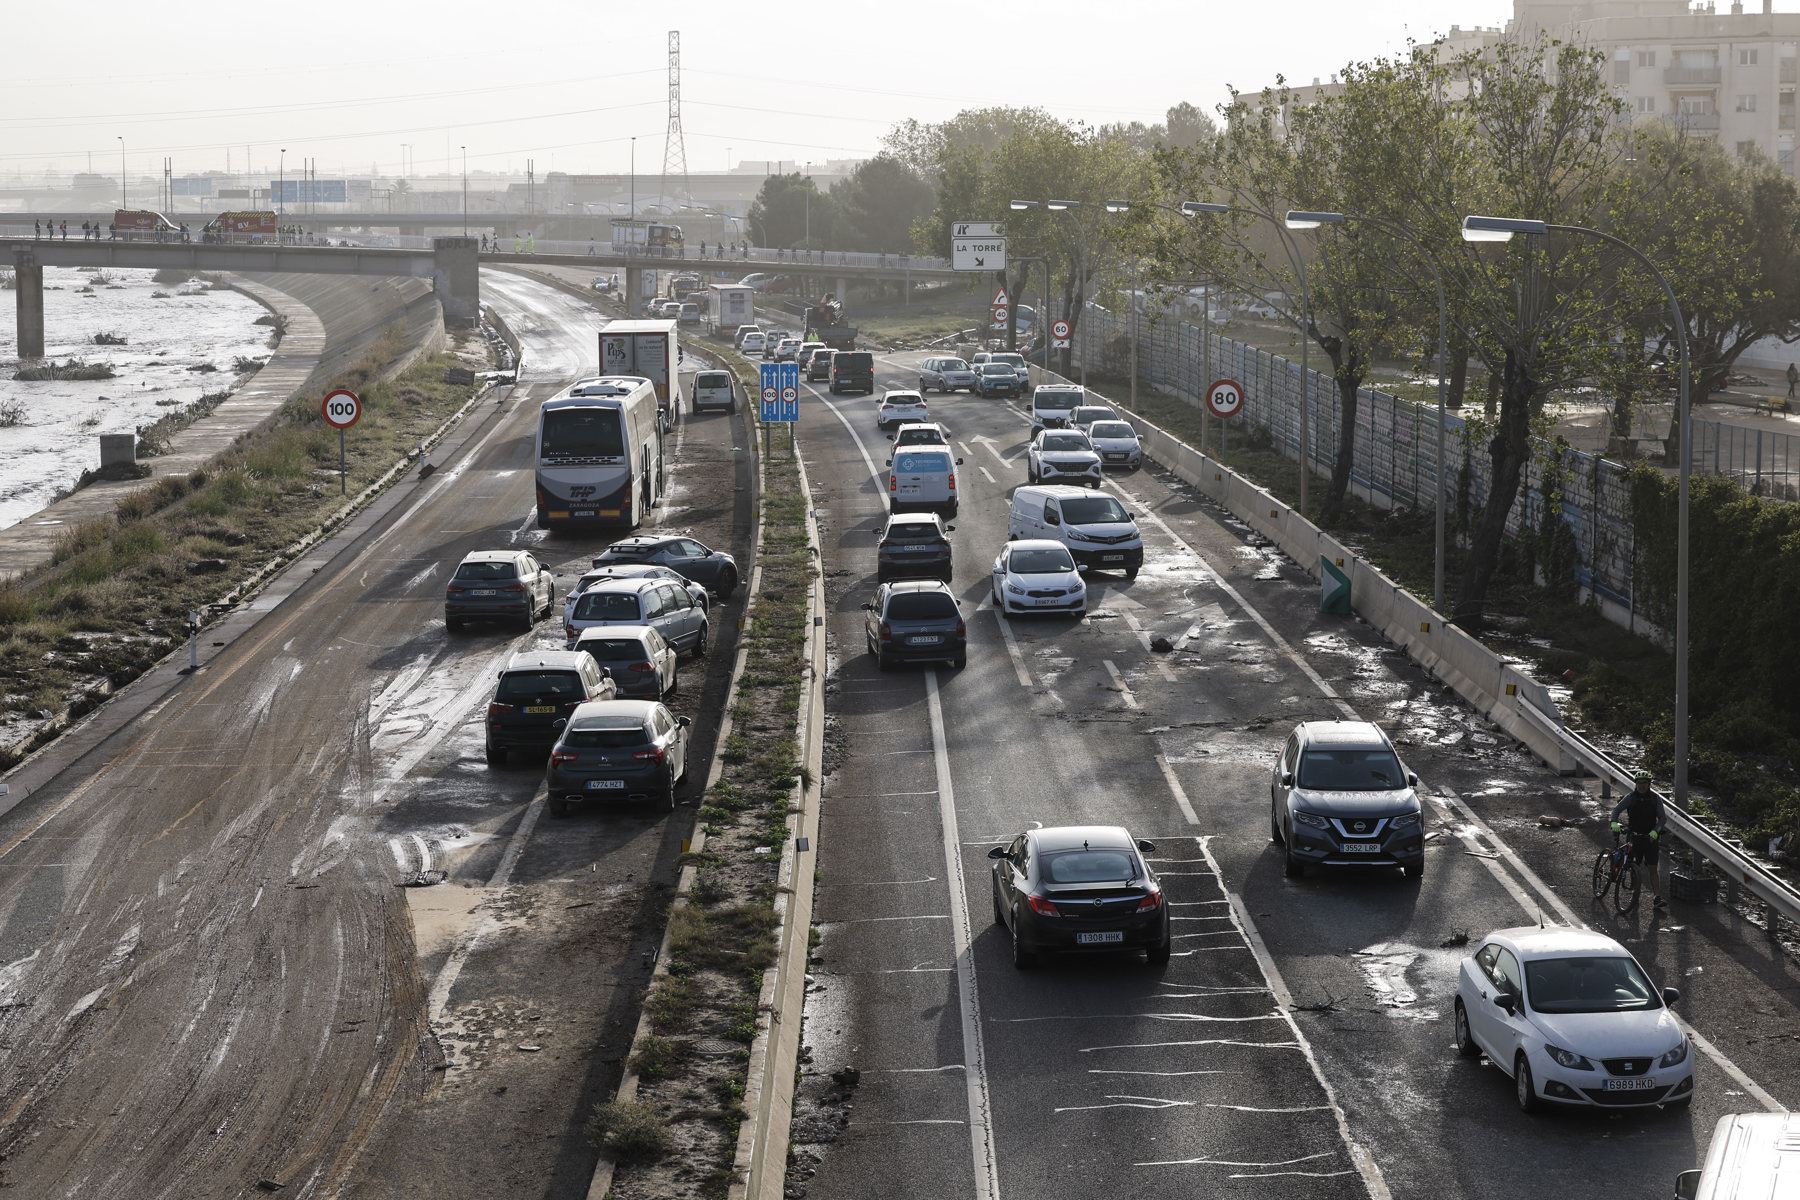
1225	398
342	408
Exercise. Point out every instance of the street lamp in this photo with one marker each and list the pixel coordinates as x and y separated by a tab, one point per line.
280	187
1117	207
465	158
1500	229
1059	206
123	203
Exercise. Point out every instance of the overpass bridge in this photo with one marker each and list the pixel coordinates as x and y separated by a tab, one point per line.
451	263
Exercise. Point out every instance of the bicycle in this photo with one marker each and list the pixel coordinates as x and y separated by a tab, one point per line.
1615	872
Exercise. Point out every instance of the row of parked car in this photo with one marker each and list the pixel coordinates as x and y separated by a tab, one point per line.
596	706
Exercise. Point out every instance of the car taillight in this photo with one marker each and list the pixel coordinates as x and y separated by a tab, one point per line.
453	589
1042	907
560	758
961	629
953	481
887	632
642	667
893	483
510	587
653	754
1150	903
568	632
497	709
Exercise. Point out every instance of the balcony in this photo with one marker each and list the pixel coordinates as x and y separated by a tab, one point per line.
1787	70
1693	122
1690	76
1785	121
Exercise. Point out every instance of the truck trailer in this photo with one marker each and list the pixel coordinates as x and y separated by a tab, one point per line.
650	349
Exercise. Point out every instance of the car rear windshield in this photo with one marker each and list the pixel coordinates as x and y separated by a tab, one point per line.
583	433
709	379
1041	562
917	462
488	571
919	437
1065	441
853	360
1589	985
1111	429
613	649
1350	770
606	739
1089	866
607	606
1093	510
544	687
913	531
954	364
921	606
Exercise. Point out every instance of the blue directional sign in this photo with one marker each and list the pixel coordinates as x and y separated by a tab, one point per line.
780	393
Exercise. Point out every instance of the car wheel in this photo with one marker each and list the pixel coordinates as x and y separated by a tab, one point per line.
700	642
961	660
883	661
1524	1088
1023	959
1158	955
528	621
1131	572
496	756
674	684
1465	1041
994	892
668	794
1416	871
1274	828
1291	866
559	808
727	584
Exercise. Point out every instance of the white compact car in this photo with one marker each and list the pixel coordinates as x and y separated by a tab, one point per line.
1062	456
1574	1019
1038	576
900	408
1016	362
1117	444
753	343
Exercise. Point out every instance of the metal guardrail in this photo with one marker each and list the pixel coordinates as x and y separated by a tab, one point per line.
1732	864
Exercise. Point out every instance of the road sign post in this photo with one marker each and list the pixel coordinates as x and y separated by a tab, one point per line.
1224	400
1059	335
342	408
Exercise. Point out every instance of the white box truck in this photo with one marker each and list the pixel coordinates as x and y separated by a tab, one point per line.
731	305
650	349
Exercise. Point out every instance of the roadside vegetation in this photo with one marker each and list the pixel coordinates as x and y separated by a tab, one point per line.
703	1012
115	596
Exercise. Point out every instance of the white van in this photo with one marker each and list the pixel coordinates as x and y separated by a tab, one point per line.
923	477
1052	403
714	389
1753	1156
1097	529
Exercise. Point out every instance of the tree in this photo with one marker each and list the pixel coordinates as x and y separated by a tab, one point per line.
1188	127
790	211
880	201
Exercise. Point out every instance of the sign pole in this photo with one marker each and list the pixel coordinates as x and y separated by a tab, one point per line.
342	408
343	467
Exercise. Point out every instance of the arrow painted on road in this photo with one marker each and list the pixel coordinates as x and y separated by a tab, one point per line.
984	440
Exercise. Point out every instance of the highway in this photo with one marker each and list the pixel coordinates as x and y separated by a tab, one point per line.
1299	1042
218	973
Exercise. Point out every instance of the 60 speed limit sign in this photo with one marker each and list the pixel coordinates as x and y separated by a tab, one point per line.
342	408
1225	398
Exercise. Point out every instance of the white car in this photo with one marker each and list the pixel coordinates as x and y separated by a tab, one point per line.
631	571
744	331
786	349
1062	456
901	408
921	433
1017	363
1117	444
1574	1019
1038	576
753	343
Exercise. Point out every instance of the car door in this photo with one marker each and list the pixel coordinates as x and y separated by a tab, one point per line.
1278	790
686	617
1507	1028
1015	869
1479	1006
663	657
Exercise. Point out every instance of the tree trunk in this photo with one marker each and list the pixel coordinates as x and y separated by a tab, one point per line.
1624	400
1072	306
1507	454
1348	377
1492	403
1014	288
1459	374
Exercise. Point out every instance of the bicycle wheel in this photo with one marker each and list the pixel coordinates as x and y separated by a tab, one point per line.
1602	874
1625	899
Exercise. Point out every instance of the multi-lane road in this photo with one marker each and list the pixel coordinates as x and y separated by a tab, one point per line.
1299	1042
212	970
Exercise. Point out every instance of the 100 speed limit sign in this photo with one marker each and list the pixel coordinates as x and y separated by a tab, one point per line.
342	408
1225	398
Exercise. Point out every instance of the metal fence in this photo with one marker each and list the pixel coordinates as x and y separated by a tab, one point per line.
1765	461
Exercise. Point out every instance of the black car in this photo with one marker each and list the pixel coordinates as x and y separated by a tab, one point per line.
537	692
1079	889
914	544
818	365
715	570
915	620
852	371
618	750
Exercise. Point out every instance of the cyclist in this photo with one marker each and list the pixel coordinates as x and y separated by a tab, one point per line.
1644	817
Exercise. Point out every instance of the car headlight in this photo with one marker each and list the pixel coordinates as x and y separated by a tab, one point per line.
1676	1056
1568	1058
1312	819
1015	589
1406	821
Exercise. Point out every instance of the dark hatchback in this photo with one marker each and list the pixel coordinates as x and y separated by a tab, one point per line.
996	379
1079	889
818	365
852	371
618	750
537	692
913	545
915	620
714	570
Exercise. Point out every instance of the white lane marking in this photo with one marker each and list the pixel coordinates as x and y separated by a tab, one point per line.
439	999
1181	799
1364	1162
981	1126
1012	648
856	437
424	852
1157	1074
1201	1042
1152	1103
912	1070
986	474
1225	1162
1125	692
1163	1016
1156	660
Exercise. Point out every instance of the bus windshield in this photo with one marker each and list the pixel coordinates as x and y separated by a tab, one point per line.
582	433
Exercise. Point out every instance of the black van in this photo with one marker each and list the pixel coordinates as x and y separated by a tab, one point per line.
853	371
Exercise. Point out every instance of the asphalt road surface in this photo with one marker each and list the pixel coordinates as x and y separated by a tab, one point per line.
214	973
1299	1042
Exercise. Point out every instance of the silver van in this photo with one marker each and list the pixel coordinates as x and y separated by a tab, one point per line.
1052	404
715	389
1100	532
923	477
1753	1156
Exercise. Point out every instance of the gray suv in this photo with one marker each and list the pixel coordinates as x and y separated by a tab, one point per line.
915	621
498	585
1338	796
945	375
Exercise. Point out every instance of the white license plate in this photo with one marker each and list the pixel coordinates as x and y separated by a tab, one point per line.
603	785
482	592
925	641
1629	1085
587	514
1360	848
1112	558
1100	939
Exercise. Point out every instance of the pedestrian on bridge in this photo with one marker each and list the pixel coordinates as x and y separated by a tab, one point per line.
530	242
65	231
84	231
518	242
591	250
1793	377
112	231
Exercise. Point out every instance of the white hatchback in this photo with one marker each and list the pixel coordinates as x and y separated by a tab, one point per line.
1574	1019
1117	444
753	343
1038	576
901	408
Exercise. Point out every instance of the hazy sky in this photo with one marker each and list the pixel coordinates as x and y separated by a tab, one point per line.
571	82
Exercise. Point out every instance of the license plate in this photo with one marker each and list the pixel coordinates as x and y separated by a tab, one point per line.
602	785
1360	848
540	708
1629	1085
482	592
588	514
925	641
1107	938
1112	558
1115	457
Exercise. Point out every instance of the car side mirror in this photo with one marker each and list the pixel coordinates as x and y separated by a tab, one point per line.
1506	1002
949	529
559	723
1146	847
1287	779
684	722
868	608
606	672
959	462
1671	995
996	851
889	463
1412	780
1687	1185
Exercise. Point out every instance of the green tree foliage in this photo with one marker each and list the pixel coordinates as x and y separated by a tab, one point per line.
880	202
790	211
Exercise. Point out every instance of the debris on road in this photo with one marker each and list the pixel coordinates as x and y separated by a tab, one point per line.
1458	937
1550	821
424	879
1161	644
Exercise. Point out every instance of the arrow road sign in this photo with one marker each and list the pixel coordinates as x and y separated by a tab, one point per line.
977	229
977	253
1334	588
1225	398
1059	334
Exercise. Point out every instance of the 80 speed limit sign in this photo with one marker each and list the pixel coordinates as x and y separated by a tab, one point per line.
1225	398
342	408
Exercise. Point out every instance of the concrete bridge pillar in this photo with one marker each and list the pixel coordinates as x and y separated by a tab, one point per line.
456	278
843	290
634	290
29	282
